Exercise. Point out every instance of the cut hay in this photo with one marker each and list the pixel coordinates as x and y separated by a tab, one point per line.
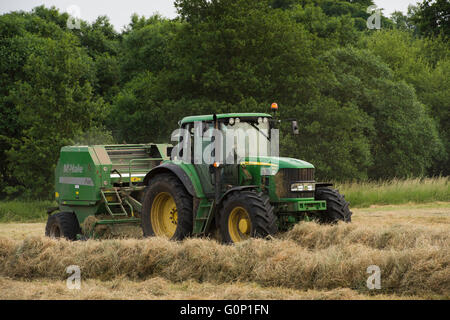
377	236
162	289
102	231
277	263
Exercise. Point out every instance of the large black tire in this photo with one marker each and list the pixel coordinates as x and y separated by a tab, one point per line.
337	206
158	189
63	225
255	206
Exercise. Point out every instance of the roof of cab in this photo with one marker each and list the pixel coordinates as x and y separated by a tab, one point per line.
209	117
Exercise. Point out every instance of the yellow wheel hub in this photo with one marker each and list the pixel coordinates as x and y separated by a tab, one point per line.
164	215
244	226
239	224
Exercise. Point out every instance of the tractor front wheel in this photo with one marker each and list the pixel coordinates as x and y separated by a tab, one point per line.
337	206
62	225
167	209
246	214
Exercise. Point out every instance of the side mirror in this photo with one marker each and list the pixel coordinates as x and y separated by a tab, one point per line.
295	127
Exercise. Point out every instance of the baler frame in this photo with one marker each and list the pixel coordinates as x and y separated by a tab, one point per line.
115	193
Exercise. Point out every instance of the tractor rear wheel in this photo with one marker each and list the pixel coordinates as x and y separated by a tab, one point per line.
167	208
337	206
246	214
63	225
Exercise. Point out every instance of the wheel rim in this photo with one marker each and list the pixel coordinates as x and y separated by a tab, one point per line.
164	215
55	231
239	224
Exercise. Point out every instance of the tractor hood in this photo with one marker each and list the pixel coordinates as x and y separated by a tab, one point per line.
280	162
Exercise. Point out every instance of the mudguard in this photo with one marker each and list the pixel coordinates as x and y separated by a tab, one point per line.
177	171
239	188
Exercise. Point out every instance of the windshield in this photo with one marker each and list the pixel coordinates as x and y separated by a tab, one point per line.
246	138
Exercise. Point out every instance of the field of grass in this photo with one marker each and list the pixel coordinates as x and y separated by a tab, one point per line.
410	244
24	211
365	194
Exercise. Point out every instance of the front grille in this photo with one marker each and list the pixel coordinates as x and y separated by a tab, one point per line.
285	177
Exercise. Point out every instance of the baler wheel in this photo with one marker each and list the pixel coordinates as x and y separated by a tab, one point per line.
62	225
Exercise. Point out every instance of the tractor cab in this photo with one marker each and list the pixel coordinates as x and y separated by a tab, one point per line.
227	138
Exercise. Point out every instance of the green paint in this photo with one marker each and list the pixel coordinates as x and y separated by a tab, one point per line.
83	172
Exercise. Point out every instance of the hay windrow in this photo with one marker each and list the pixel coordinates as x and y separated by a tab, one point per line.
377	236
122	231
281	263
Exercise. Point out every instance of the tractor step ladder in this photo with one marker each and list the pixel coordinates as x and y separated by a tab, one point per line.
112	207
206	215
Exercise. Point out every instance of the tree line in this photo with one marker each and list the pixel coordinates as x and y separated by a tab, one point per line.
371	104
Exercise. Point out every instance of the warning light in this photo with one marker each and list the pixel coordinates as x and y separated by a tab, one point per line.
274	107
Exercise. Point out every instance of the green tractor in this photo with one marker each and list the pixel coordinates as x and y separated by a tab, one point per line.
207	185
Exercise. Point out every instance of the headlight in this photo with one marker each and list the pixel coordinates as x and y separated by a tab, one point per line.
298	187
269	171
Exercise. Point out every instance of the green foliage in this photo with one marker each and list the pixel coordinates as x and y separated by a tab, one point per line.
145	46
101	42
405	136
55	102
94	136
432	18
370	104
328	31
424	64
138	116
50	102
236	49
24	211
333	138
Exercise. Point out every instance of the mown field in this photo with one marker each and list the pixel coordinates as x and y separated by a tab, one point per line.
409	242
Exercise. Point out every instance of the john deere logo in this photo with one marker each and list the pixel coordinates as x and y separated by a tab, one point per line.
73	168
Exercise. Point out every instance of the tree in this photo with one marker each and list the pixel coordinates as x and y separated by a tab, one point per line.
369	104
406	138
102	43
55	103
403	22
236	49
424	64
334	136
21	35
145	46
432	18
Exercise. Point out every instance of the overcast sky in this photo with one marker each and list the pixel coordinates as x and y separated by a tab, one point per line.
119	12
